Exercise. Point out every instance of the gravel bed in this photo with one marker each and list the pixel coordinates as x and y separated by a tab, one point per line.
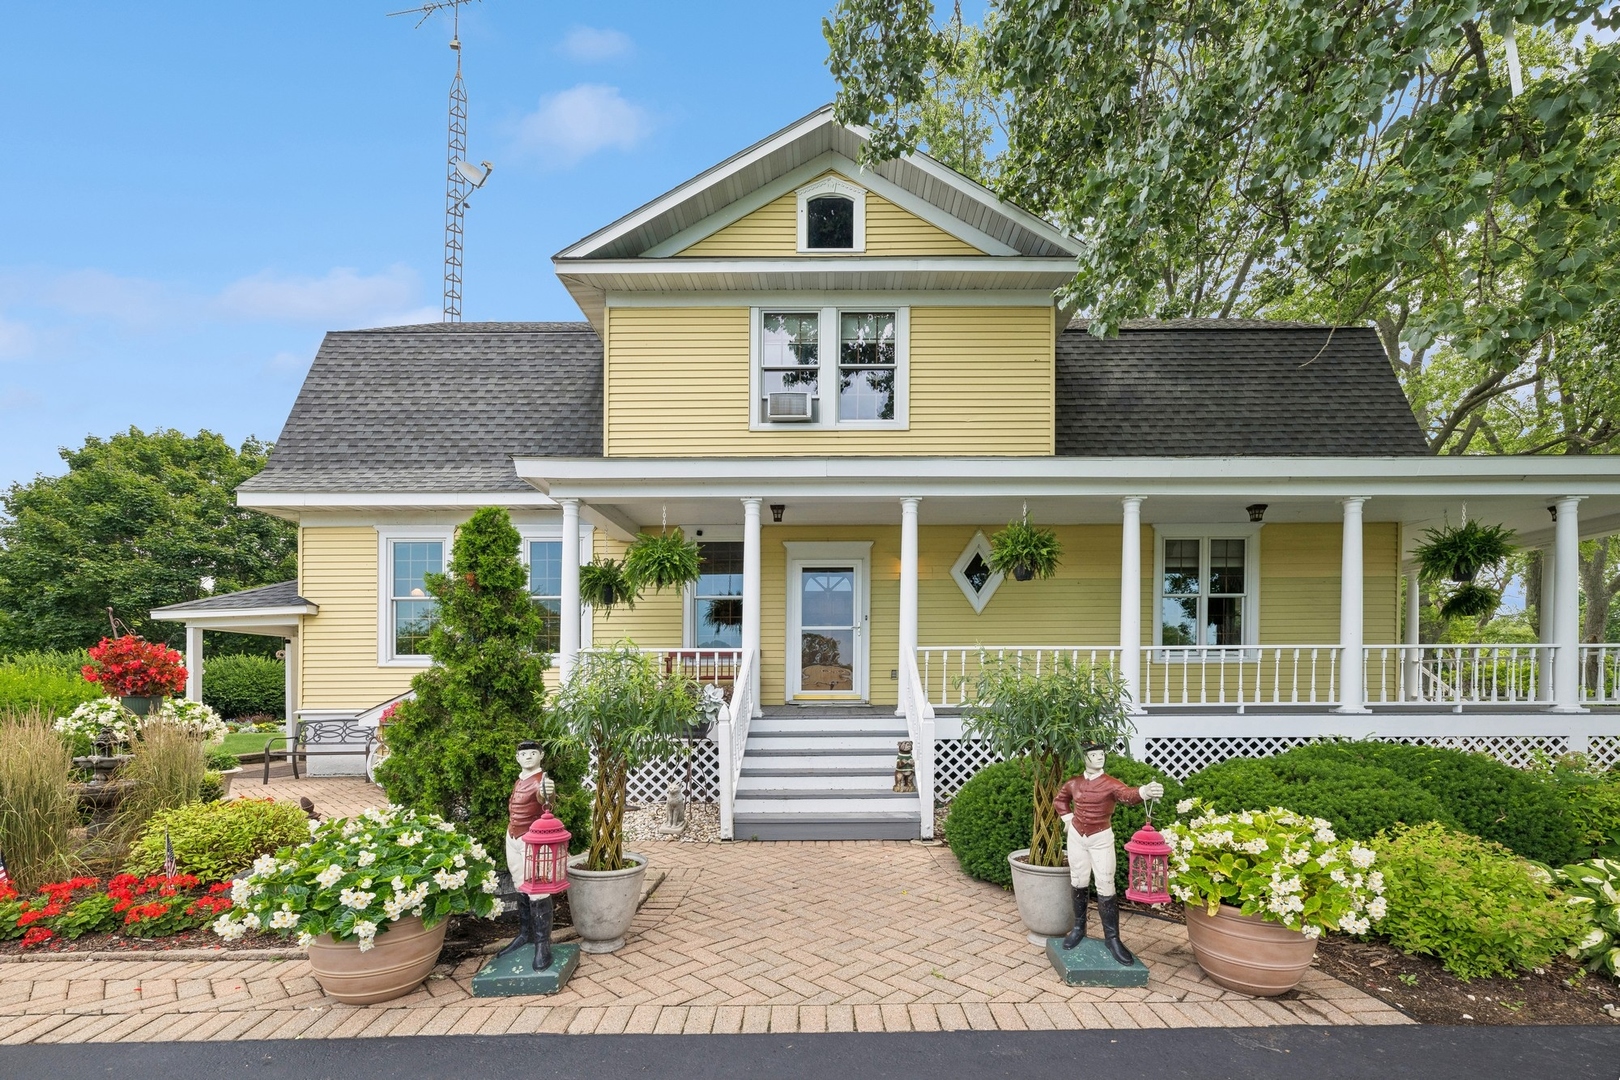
702	824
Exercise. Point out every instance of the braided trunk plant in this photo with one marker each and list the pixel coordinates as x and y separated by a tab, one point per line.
626	711
1046	719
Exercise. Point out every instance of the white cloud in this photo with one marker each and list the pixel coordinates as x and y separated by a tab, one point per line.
16	339
18	398
98	294
575	123
588	44
342	297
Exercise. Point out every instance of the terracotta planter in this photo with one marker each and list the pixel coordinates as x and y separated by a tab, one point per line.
603	903
1246	953
1045	901
398	963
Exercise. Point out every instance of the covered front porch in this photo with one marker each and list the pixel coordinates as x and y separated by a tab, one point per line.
1316	632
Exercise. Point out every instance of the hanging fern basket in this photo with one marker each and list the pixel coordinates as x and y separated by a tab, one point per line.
666	560
1459	554
1470	601
1025	551
604	585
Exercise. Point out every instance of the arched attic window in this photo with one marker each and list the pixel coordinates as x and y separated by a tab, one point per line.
832	216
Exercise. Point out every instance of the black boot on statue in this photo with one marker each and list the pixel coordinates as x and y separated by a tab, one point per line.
526	924
1078	934
1108	908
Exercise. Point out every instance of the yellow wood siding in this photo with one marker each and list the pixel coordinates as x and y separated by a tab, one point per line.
773	231
654	623
337	570
981	383
1299	583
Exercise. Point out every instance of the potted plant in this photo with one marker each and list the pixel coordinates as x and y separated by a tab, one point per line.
368	897
1470	601
603	584
138	672
619	704
1459	554
1260	886
665	561
99	725
1025	551
1046	719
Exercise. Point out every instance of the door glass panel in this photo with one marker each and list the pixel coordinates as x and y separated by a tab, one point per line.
827	660
827	622
827	597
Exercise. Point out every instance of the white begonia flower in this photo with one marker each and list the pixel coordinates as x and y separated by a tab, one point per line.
1245	818
357	899
459	861
444	826
304	938
228	928
1377	908
330	876
1311	931
367	933
1257	846
409	839
1325	836
350	828
1375	881
1185	805
491	883
285	919
251	921
239	892
366	858
478	850
265	865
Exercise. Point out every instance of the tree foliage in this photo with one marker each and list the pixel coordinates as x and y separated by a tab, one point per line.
138	521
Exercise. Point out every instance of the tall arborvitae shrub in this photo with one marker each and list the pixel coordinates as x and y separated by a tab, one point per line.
451	747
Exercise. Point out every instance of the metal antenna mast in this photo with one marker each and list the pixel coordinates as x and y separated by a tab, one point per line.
462	177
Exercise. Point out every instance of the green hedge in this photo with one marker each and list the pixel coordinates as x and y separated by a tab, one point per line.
217	840
49	681
1360	800
236	686
992	815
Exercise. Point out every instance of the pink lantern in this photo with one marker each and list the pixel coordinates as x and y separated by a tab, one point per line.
1149	871
545	866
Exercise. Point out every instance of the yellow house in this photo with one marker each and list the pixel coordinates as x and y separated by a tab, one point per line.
841	381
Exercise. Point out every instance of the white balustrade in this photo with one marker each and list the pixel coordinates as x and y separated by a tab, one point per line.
920	728
1457	674
946	672
733	738
1239	675
1600	675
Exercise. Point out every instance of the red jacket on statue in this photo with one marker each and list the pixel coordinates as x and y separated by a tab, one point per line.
1092	801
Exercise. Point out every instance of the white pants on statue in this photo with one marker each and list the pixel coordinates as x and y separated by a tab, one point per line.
1090	855
516	849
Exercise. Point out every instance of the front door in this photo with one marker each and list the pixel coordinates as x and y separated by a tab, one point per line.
827	650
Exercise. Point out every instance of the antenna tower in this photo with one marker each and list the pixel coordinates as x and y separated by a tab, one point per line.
462	177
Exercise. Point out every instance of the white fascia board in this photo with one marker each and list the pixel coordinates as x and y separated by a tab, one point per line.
675	196
402	500
837	298
980	477
178	613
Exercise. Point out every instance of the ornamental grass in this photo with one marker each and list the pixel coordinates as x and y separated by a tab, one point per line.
167	768
38	809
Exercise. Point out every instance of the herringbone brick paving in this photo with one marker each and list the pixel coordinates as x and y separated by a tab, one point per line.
751	937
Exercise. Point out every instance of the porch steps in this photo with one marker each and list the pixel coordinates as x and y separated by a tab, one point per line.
823	773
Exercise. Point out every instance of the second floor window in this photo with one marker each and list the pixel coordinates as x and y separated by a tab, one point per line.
827	367
545	587
413	611
866	365
830	223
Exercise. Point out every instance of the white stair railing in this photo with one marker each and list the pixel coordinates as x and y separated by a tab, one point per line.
920	729
733	739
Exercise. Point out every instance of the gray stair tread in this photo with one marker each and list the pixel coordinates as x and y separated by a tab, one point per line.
829	751
824	793
832	733
777	817
829	773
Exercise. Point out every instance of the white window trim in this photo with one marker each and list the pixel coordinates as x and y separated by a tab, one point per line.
712	534
828	369
1246	531
832	185
387	537
981	547
553	532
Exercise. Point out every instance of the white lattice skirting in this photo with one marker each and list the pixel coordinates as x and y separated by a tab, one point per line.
650	783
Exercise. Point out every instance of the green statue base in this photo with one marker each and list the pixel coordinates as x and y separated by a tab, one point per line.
1088	964
513	975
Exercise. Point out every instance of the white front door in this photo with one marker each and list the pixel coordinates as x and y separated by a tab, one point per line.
827	628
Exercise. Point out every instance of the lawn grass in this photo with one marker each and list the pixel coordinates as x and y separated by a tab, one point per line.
247	742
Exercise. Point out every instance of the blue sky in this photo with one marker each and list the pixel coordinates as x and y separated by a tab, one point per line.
195	192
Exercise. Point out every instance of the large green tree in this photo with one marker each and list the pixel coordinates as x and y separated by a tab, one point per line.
139	520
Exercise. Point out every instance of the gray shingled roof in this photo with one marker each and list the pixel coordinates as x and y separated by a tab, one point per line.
282	594
439	408
1214	387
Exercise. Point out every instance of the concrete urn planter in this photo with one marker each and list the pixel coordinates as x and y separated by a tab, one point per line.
1045	902
225	778
403	956
1246	953
603	902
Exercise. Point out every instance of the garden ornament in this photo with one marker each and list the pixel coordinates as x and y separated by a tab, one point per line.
545	873
905	770
674	811
1086	804
530	796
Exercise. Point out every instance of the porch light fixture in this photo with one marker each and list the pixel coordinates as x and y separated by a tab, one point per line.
777	510
1257	511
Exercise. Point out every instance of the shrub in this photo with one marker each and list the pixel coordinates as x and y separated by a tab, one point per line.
167	769
48	681
219	759
1358	800
38	809
238	686
1591	798
1472	904
216	841
1592	890
990	816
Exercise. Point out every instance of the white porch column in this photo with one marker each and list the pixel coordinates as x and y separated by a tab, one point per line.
1413	675
1567	617
568	634
908	593
194	662
1547	618
1352	689
750	604
1130	600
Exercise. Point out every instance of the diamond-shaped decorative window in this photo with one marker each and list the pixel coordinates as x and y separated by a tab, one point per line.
973	574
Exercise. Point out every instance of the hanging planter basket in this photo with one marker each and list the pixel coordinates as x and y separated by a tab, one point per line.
1025	551
1470	601
604	585
667	560
1459	554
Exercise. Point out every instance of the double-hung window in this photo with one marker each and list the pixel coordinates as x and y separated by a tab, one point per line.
1206	587
830	367
545	589
412	612
715	619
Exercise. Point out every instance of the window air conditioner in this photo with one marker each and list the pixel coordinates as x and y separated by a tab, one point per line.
792	405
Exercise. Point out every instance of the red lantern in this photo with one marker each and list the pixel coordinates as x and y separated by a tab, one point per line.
1149	871
545	865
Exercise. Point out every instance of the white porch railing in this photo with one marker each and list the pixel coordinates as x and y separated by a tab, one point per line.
947	671
1240	675
1600	675
920	728
718	666
732	732
1458	674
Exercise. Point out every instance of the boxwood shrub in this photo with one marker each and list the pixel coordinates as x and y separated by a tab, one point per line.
217	840
1358	799
991	816
235	686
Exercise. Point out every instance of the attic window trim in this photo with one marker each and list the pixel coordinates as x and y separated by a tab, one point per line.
980	597
831	185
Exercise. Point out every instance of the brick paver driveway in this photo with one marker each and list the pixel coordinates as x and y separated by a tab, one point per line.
750	937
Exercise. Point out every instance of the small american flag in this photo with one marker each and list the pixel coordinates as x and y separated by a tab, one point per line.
4	877
168	855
